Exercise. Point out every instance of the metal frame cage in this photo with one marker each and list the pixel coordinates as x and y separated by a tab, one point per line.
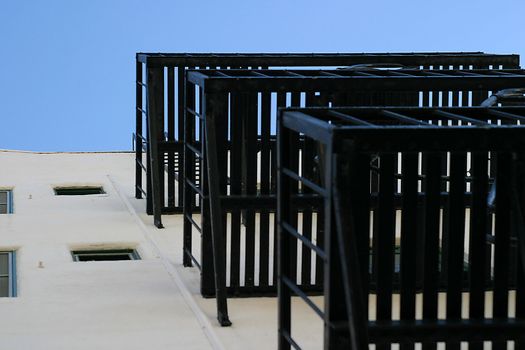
409	146
163	97
228	126
169	137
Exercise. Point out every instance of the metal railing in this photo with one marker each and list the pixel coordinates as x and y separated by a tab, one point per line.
229	179
171	96
413	142
240	182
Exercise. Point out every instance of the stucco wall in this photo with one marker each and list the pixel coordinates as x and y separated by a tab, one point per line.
84	305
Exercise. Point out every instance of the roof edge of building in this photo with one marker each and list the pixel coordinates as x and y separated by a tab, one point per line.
61	152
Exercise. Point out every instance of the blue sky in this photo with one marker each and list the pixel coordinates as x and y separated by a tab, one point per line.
67	70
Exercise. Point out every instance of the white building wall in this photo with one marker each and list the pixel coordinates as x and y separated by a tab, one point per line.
63	304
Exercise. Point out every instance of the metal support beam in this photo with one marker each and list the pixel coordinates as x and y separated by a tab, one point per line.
138	132
348	192
188	173
219	259
155	118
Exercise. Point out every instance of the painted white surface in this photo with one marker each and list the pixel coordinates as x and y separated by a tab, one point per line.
89	305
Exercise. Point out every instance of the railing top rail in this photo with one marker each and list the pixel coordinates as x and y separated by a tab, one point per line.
257	80
400	128
303	59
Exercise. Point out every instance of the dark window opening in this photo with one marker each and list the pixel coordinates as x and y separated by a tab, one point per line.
6	201
7	274
105	255
78	191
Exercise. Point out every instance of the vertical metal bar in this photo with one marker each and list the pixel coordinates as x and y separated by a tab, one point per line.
478	239
384	239
222	157
351	98
235	186
179	120
445	234
307	164
435	98
294	166
171	137
409	232
281	102
426	94
361	216
465	99
155	135
445	100
350	235
207	248
320	242
293	147
447	207
377	98
456	250
489	229
188	169
519	197
264	243
139	133
502	241
250	181
284	240
336	279
339	99
161	137
211	111
455	93
520	297
149	190
312	101
390	98
478	96
431	239
412	98
395	98
308	154
331	267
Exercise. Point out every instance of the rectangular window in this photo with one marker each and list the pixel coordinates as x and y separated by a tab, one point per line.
6	201
78	190
7	274
105	255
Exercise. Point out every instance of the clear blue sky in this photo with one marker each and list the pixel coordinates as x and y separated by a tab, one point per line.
67	69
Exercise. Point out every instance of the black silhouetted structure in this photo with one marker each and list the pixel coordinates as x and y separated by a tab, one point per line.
236	102
406	147
173	66
211	132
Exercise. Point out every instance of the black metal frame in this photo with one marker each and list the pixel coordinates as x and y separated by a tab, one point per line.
169	70
228	114
166	93
405	139
216	86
